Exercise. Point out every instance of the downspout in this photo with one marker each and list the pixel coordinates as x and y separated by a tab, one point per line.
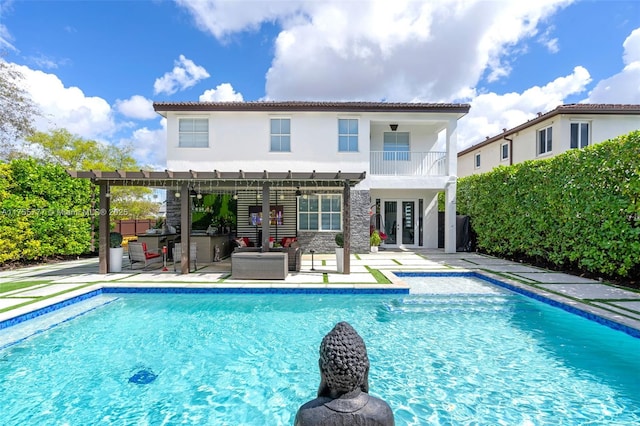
510	149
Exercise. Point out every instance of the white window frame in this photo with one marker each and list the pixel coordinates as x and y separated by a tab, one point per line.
579	142
333	213
195	134
476	161
279	135
547	147
502	149
348	135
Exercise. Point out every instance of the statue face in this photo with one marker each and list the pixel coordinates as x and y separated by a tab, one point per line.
344	363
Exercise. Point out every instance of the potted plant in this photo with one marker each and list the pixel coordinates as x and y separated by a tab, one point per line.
375	240
340	252
115	252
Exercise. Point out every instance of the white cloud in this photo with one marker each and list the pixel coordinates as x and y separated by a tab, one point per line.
185	74
137	107
5	38
223	93
222	17
149	146
404	50
491	113
551	43
92	117
66	107
623	87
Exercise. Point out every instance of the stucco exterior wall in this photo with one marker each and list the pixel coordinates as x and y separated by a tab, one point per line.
242	142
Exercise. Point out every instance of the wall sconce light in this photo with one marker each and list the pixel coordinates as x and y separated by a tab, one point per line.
177	193
235	196
394	127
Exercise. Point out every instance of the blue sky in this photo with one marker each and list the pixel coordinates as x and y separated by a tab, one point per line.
95	67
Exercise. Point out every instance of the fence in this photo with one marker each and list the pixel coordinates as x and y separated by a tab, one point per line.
134	227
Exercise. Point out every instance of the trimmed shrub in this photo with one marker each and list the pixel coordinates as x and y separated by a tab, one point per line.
578	209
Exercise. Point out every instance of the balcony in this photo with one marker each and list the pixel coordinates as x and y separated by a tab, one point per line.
411	163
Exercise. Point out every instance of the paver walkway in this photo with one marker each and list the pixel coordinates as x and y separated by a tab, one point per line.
25	289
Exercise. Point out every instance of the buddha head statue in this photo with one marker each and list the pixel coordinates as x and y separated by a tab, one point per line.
344	364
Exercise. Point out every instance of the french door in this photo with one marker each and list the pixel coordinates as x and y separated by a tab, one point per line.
399	218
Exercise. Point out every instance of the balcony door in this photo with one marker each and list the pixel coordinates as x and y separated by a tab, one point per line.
400	225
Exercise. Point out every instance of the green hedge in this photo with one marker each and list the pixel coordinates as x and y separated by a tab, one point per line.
43	212
578	209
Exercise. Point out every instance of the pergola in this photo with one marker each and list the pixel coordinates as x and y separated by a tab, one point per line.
184	181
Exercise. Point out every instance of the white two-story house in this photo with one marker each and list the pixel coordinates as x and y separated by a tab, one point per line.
314	169
391	147
566	127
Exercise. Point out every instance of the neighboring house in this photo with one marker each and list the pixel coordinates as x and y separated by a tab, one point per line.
570	126
391	145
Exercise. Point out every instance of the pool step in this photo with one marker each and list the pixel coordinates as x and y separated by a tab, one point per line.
450	304
17	333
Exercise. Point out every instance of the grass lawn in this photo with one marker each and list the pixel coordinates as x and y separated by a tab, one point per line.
6	287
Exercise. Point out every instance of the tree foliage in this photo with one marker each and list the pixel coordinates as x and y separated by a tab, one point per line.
17	110
61	147
578	209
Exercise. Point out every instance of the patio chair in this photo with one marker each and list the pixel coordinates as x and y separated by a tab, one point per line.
138	253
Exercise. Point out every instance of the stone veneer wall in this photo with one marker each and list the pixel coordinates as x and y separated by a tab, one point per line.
324	242
173	209
321	242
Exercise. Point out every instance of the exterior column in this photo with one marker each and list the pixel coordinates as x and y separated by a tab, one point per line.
450	233
346	227
104	229
185	228
452	148
265	217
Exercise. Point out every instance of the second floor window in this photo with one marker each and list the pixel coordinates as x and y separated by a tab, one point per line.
544	140
193	132
504	151
280	135
347	135
396	146
321	212
579	135
477	161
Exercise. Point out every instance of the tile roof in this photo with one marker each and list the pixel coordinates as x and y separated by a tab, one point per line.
311	106
591	109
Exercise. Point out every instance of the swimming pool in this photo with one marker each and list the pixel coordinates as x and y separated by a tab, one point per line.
467	353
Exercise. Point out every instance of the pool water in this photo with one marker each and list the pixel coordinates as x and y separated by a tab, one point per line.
462	352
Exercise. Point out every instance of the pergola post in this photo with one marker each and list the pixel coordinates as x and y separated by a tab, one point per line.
103	232
265	217
346	227
185	228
